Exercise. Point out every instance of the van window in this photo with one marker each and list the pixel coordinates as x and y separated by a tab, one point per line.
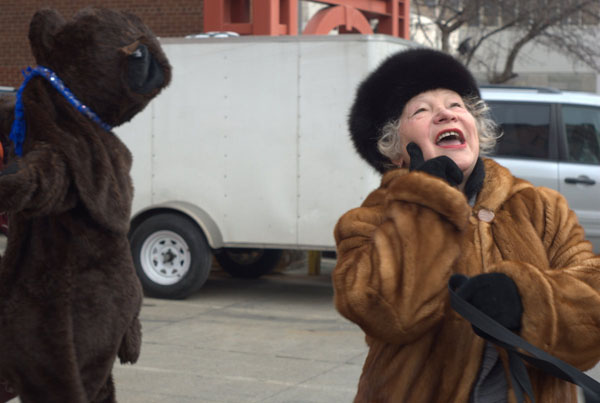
525	128
582	127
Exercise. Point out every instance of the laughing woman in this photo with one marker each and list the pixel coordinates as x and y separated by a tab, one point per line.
441	210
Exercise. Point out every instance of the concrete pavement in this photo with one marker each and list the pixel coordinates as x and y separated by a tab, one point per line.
275	339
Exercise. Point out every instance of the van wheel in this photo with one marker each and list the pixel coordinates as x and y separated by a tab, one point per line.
248	263
171	256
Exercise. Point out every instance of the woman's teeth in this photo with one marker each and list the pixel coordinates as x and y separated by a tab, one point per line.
449	136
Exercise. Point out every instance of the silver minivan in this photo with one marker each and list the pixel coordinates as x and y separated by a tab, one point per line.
552	138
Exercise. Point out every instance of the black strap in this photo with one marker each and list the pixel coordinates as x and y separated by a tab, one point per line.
513	343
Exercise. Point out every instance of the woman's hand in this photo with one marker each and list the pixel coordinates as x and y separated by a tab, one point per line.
443	167
495	294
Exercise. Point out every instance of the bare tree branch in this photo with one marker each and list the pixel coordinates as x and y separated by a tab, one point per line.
421	27
566	26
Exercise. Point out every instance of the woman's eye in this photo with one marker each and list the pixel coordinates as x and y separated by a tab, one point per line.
419	111
456	104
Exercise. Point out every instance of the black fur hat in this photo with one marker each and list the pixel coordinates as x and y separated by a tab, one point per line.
381	97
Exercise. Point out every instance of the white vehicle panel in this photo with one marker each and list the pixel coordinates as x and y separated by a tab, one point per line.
252	131
332	178
231	144
540	173
583	198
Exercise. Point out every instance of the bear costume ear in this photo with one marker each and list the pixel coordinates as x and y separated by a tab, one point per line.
144	74
42	29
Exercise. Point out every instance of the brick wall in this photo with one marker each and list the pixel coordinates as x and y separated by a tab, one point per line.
164	17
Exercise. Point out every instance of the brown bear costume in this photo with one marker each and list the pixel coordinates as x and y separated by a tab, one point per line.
69	295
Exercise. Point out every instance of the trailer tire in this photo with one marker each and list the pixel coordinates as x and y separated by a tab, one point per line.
248	263
171	255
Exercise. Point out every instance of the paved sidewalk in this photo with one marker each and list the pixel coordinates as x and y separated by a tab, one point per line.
276	339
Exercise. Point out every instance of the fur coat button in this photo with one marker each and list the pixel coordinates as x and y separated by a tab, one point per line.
485	215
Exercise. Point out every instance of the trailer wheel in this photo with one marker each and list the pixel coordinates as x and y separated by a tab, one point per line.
248	263
171	256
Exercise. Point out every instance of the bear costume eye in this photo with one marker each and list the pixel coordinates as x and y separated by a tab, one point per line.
143	72
137	54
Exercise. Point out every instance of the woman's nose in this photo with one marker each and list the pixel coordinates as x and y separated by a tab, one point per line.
443	115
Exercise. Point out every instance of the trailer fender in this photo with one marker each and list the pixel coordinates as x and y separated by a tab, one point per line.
197	214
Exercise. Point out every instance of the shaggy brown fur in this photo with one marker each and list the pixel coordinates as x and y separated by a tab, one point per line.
7	105
397	252
69	296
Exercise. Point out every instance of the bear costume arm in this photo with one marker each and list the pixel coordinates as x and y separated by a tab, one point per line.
7	112
36	184
405	235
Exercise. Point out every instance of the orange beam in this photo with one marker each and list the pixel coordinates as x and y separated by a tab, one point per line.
240	28
280	17
288	16
214	15
347	18
404	15
373	6
390	24
393	15
265	17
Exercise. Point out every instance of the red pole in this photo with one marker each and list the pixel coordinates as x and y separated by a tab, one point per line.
265	17
214	15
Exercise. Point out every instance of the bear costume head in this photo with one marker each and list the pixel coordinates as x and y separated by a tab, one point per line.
69	295
110	60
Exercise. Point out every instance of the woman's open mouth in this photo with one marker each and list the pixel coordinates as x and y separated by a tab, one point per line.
452	138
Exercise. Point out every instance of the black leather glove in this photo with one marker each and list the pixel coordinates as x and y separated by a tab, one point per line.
495	294
443	167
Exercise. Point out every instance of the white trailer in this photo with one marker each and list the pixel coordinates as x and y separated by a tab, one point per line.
246	153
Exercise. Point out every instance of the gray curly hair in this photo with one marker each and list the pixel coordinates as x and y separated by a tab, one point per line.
390	144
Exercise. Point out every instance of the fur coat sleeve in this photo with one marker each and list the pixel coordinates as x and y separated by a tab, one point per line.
395	255
561	292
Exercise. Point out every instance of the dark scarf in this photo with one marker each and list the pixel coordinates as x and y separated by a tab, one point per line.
475	181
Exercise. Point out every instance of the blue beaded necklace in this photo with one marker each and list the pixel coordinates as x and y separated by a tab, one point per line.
17	132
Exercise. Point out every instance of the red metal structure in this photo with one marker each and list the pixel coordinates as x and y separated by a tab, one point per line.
252	17
280	17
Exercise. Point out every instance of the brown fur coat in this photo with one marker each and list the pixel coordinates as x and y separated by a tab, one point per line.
397	252
69	295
